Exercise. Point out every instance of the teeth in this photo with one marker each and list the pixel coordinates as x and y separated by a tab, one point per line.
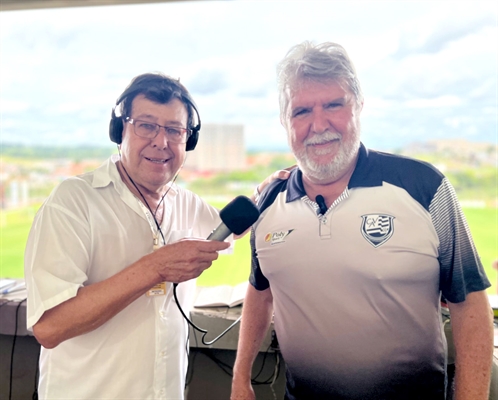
157	160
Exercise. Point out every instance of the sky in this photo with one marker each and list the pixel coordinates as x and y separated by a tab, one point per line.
428	69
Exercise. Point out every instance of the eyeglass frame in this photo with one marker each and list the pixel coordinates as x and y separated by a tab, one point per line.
188	132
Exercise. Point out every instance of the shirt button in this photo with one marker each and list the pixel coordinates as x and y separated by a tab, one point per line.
162	314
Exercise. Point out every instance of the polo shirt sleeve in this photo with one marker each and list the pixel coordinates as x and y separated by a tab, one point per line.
56	256
257	279
461	269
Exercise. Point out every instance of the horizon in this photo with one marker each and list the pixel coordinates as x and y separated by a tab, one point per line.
283	149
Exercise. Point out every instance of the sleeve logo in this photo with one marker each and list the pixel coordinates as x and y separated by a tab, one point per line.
377	228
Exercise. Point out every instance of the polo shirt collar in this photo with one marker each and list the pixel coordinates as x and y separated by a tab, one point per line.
367	173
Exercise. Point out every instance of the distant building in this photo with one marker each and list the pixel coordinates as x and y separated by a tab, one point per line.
220	148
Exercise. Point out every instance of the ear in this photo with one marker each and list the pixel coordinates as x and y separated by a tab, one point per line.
360	106
283	122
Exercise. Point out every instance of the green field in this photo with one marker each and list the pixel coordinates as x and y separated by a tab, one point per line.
234	268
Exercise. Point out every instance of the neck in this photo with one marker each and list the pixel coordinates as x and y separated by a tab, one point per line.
329	190
153	199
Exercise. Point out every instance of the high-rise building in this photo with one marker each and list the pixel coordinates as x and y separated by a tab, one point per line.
220	148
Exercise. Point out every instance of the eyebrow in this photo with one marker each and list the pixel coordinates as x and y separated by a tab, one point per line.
341	99
153	117
146	116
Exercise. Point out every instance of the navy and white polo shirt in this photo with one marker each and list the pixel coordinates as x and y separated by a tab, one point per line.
356	291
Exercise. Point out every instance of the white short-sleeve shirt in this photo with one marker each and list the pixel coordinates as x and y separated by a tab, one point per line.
90	228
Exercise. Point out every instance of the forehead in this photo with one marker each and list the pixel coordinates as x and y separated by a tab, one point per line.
306	91
173	109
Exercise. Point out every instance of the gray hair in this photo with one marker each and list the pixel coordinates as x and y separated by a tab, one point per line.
323	62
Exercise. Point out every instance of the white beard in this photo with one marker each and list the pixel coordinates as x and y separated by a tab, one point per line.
326	173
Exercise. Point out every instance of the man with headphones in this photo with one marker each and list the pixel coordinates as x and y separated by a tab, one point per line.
105	249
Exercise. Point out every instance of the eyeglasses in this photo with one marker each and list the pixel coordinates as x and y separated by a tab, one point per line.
149	130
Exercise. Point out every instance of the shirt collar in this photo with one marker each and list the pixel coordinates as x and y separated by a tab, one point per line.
108	173
367	173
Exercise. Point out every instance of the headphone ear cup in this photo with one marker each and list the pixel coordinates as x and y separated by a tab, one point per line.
116	129
192	140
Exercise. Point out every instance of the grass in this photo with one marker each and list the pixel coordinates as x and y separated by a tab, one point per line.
234	268
14	229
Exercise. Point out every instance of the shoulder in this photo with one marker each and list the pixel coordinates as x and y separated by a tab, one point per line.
420	179
273	190
399	164
73	188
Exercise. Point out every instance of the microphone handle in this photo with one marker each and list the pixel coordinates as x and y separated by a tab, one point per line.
220	233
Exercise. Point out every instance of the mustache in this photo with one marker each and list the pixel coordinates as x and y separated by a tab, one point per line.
320	138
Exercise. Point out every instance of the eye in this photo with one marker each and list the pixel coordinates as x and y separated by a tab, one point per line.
147	126
173	131
300	111
333	105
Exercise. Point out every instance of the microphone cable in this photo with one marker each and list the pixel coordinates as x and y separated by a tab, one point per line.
203	331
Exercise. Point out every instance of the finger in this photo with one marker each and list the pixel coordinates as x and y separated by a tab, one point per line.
205	244
215	245
285	173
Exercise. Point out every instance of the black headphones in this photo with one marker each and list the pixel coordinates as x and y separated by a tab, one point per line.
116	124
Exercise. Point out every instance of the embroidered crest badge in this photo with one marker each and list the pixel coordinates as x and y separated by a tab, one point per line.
377	228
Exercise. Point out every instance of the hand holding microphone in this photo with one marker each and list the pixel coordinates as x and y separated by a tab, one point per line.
236	217
189	257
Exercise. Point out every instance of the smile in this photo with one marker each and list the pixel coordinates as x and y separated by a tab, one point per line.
157	160
323	143
322	139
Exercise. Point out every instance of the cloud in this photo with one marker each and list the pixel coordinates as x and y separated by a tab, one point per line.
439	28
438	102
208	82
424	66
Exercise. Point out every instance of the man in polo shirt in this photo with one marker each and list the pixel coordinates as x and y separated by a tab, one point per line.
352	254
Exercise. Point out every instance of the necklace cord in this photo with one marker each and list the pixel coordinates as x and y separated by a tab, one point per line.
147	204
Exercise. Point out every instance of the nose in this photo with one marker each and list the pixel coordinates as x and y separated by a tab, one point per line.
320	122
160	141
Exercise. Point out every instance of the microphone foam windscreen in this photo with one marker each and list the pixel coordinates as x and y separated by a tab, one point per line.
239	214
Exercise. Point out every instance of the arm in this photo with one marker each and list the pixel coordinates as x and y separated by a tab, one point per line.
472	325
97	303
256	318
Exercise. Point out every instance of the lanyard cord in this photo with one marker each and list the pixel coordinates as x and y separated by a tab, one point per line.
176	284
157	208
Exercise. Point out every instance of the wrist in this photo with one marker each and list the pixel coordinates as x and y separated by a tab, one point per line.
242	374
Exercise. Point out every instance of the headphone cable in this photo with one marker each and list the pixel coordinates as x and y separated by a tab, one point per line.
203	331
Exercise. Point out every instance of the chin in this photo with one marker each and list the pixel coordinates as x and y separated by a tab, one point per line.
327	171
